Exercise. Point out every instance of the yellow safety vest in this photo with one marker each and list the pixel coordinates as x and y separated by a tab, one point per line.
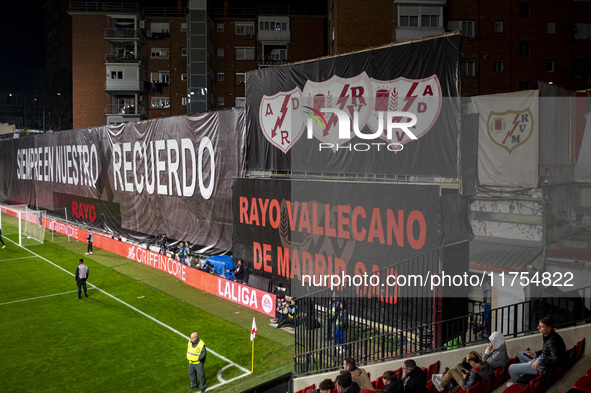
193	353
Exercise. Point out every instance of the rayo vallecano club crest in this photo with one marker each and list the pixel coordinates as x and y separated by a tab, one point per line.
364	100
510	129
281	118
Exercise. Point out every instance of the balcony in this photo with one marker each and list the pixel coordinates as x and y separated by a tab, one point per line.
274	35
117	114
123	59
268	62
122	34
411	33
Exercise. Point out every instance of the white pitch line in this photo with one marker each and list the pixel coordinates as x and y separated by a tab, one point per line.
39	297
150	317
14	259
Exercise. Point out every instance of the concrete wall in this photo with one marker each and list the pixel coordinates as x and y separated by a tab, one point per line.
453	357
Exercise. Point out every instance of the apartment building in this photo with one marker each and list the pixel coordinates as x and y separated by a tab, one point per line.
127	64
131	63
507	45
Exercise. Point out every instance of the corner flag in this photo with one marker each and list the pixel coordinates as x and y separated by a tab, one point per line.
253	331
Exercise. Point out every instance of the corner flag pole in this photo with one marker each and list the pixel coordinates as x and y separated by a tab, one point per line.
253	332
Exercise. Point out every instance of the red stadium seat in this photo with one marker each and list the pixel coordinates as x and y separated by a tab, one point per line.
433	369
313	386
498	378
584	384
535	385
486	385
378	383
398	373
515	388
580	348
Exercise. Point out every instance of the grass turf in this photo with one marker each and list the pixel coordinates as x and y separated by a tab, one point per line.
58	343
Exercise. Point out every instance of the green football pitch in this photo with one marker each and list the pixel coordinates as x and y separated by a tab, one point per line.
129	335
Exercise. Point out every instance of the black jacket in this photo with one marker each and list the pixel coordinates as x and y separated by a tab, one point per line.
553	350
394	387
415	381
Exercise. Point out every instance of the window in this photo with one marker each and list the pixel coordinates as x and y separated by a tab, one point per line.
465	26
220	76
160	77
160	27
244	53
159	53
549	65
551	27
430	20
116	74
498	65
184	26
582	31
220	28
183	51
524	85
160	102
220	52
184	76
409	21
271	25
468	67
221	101
419	16
524	48
524	10
245	29
240	101
498	26
240	78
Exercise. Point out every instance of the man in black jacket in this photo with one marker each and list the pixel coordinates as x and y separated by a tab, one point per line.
415	380
551	355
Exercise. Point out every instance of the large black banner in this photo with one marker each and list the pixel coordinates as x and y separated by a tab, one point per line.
286	230
170	175
391	110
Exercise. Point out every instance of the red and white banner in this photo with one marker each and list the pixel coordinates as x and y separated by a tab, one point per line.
508	138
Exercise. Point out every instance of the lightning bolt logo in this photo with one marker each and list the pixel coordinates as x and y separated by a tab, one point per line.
515	124
281	117
341	102
409	100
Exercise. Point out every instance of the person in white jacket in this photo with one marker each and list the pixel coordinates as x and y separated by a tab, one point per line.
496	352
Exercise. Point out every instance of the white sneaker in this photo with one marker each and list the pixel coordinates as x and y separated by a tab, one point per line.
86	254
91	252
509	384
436	379
4	246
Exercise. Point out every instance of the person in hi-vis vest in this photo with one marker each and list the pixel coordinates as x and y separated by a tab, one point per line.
196	354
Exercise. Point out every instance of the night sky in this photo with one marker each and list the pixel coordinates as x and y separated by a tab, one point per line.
21	43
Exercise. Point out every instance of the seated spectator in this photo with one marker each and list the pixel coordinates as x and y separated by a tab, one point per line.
465	379
326	386
415	379
496	352
358	375
391	383
345	384
286	316
551	355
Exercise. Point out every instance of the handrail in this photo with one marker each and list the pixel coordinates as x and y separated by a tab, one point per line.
512	321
